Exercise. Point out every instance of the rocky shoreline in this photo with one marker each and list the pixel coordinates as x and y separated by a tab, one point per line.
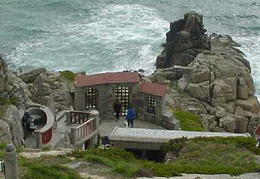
215	82
207	75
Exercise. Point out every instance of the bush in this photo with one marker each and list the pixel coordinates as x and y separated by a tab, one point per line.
174	146
49	171
188	121
231	155
114	154
69	75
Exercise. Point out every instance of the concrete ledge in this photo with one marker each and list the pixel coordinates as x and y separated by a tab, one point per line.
161	136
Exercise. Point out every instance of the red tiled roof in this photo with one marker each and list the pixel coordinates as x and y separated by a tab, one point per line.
153	88
105	78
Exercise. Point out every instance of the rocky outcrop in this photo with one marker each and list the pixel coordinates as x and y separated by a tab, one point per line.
3	75
48	89
185	40
10	126
31	75
216	84
222	80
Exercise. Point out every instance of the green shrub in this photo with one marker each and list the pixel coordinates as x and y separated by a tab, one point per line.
231	155
126	169
114	154
77	153
188	121
99	160
69	75
174	146
49	171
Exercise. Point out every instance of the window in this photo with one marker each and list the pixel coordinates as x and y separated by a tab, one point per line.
91	98
151	105
122	94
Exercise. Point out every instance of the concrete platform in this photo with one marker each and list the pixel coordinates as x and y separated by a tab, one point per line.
107	126
152	139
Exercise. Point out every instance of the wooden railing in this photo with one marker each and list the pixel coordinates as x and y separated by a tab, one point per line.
78	117
85	129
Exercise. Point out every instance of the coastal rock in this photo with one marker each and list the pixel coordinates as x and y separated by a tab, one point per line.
11	127
3	75
185	40
18	91
215	73
48	89
31	75
241	124
5	134
228	123
251	104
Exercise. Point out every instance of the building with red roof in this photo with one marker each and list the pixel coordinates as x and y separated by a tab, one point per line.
100	91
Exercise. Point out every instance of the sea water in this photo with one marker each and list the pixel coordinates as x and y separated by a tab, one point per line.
114	35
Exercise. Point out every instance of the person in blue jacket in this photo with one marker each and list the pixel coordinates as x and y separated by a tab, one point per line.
130	116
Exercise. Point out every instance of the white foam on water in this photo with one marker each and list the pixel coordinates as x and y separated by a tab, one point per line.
250	45
115	38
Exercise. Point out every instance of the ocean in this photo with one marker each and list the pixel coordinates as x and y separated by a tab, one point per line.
114	35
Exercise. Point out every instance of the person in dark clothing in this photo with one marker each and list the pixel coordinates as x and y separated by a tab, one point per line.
26	123
117	108
130	116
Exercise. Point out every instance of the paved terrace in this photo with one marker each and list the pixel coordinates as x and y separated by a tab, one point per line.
152	139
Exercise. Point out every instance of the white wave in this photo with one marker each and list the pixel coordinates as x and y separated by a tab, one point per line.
250	45
115	38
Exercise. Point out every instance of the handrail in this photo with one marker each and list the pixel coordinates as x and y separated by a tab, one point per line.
78	117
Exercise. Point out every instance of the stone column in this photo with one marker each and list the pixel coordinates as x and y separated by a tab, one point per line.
95	114
38	139
73	136
10	158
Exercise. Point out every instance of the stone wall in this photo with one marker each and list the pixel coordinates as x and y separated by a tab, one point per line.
141	104
106	97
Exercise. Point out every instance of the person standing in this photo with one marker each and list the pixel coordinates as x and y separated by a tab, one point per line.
130	116
117	108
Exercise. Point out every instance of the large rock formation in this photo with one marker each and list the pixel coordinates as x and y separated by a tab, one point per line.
12	91
221	80
10	126
216	85
3	75
185	40
48	89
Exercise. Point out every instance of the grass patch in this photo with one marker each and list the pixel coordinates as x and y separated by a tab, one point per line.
69	75
215	155
232	155
46	167
188	121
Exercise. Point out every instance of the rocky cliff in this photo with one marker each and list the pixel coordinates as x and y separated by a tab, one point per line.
14	96
17	93
216	84
185	40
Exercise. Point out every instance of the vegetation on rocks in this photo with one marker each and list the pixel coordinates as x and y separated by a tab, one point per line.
188	121
69	75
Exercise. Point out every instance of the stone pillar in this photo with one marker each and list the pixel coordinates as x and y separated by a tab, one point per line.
74	136
38	140
10	158
95	114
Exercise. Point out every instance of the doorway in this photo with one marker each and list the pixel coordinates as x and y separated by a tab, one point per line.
122	94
